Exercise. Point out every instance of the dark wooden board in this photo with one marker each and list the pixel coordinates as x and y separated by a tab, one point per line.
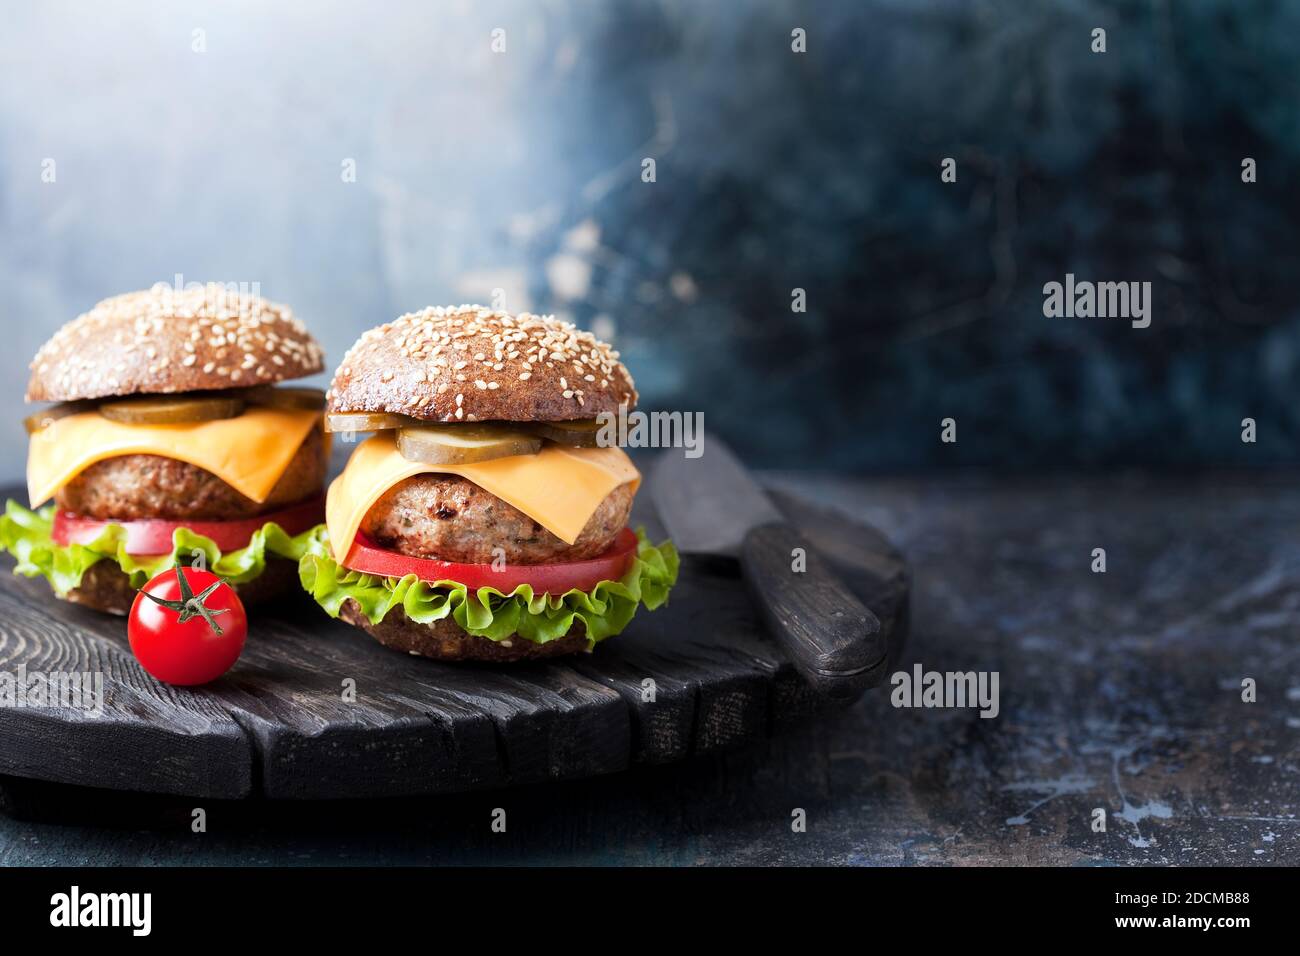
1119	690
278	724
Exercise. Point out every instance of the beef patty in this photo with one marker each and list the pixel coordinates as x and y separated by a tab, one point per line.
452	519
131	487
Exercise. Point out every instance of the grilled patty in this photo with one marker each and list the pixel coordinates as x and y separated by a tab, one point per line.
131	487
452	519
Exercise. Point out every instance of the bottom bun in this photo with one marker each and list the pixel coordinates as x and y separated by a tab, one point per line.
106	587
445	641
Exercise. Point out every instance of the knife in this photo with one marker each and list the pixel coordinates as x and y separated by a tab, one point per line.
711	505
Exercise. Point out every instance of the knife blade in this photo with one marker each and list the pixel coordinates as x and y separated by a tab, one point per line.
709	503
712	505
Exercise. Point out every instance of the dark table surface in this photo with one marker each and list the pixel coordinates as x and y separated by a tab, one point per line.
1119	690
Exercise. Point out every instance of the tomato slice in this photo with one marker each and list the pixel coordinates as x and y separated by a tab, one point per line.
368	558
154	535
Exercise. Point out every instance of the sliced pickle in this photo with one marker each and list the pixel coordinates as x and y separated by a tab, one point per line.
292	398
579	434
165	410
435	444
364	421
47	416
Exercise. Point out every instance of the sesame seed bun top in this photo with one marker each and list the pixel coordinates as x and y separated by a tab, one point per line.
164	340
470	363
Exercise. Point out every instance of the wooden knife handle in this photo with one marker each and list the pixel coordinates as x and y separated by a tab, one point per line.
833	639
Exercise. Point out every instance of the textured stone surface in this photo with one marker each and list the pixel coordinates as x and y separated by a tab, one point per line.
1118	690
775	170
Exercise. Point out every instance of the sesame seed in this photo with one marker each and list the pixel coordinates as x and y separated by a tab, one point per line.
162	328
512	347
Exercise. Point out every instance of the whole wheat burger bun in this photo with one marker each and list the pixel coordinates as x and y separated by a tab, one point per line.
445	641
470	363
165	340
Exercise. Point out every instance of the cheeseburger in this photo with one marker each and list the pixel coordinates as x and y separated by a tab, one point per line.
168	438
484	519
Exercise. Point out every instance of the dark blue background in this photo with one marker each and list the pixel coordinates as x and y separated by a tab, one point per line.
775	170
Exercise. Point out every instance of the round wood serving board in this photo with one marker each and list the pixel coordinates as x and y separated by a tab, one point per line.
278	726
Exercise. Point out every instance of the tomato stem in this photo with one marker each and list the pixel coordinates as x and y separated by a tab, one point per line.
191	605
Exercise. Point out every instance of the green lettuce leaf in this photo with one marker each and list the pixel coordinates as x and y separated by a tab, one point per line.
605	610
26	535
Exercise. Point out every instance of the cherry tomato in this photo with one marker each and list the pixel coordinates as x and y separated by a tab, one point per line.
367	557
154	535
187	626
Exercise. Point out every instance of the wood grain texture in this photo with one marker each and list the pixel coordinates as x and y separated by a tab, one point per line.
696	677
831	636
1119	690
148	737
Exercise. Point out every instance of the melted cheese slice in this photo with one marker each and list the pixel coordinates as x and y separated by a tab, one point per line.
249	452
559	488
